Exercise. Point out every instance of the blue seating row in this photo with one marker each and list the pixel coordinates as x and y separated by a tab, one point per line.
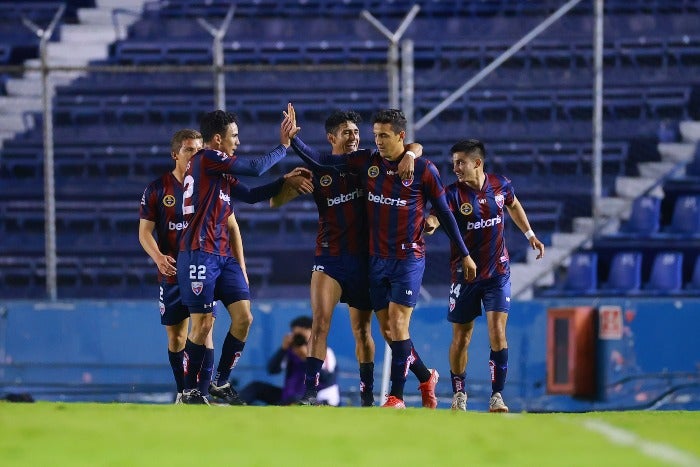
180	8
625	276
645	219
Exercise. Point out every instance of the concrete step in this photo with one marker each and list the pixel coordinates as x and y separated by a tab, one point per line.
658	169
75	53
632	187
690	131
59	78
135	5
567	240
96	16
87	34
16	123
613	206
15	104
676	152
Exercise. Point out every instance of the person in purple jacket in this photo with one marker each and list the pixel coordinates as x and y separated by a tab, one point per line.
477	200
291	356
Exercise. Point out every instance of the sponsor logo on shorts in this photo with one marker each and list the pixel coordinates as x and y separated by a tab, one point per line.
161	305
168	201
373	171
326	180
453	304
466	209
197	288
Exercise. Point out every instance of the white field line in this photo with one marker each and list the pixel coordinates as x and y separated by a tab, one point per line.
663	452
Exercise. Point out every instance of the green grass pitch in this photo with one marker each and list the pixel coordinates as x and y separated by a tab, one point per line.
167	435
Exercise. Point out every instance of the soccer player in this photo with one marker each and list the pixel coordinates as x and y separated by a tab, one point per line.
207	269
340	271
477	200
291	356
161	211
395	216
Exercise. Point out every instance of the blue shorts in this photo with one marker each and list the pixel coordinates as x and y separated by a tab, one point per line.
466	298
172	311
205	277
352	273
395	280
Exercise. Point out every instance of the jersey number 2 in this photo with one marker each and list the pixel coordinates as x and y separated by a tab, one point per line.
187	207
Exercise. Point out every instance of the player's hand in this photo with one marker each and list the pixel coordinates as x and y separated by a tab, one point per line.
406	167
287	340
301	183
289	128
299	171
537	245
469	268
166	265
431	224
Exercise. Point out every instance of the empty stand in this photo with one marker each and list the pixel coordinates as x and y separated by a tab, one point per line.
686	217
644	218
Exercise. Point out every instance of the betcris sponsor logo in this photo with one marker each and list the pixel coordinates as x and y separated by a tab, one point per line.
381	199
344	198
177	226
224	197
484	223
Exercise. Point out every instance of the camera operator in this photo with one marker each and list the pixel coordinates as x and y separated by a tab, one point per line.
291	356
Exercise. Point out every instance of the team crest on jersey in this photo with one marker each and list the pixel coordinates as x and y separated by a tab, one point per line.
326	180
197	288
466	209
373	171
407	182
499	200
168	201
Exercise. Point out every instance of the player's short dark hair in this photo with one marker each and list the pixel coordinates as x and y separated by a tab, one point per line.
182	135
393	116
215	123
301	322
338	117
469	146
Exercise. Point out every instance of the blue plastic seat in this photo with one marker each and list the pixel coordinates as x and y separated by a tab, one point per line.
666	273
625	274
582	275
685	220
644	218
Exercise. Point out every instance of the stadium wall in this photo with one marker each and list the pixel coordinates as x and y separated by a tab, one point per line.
116	350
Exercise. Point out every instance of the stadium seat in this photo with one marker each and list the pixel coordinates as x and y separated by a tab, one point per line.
582	275
644	218
694	284
685	220
625	274
666	273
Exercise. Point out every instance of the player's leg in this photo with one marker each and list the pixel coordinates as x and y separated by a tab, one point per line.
497	304
399	320
464	308
196	274
459	355
205	374
175	317
325	294
361	323
234	293
261	391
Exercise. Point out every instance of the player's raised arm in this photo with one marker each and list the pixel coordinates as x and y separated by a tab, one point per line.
297	182
406	165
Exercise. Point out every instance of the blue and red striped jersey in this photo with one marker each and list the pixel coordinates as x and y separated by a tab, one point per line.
395	208
481	221
342	219
161	203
